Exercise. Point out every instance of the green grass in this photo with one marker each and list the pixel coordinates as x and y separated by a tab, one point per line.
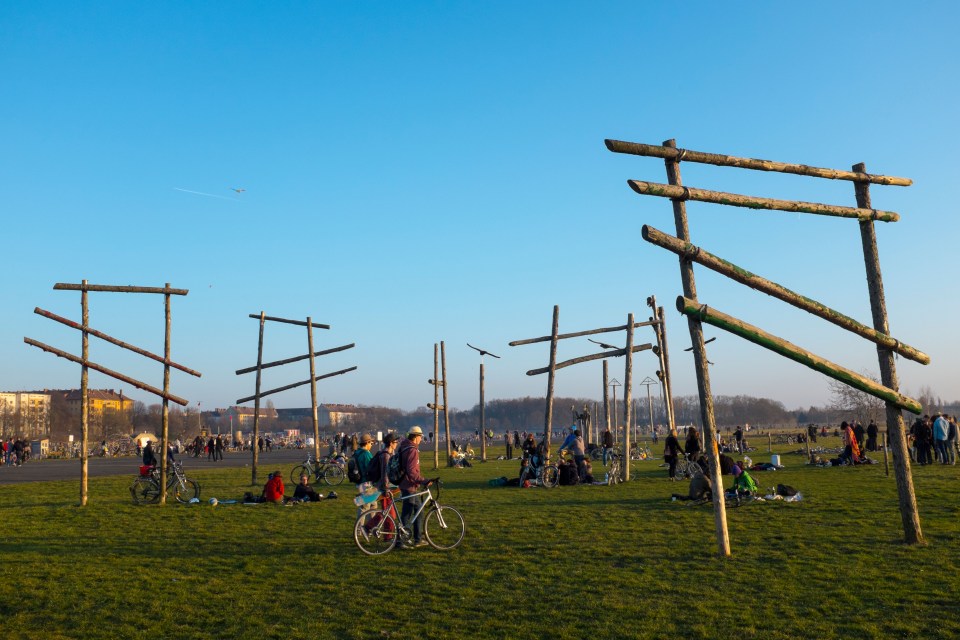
572	562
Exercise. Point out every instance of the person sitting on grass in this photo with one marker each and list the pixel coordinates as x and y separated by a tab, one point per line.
743	483
304	492
700	489
273	490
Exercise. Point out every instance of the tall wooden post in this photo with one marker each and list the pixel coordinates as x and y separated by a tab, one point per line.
446	409
548	417
606	397
700	362
84	395
665	361
165	419
888	371
256	404
483	425
313	391
627	397
436	409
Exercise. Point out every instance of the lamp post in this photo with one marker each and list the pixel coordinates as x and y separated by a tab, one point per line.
616	419
648	382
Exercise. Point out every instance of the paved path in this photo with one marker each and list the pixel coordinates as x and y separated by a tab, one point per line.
36	471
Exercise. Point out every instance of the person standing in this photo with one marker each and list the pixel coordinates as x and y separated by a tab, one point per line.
941	428
952	433
693	444
363	456
575	445
211	450
149	457
858	433
672	452
872	432
410	484
218	448
607	442
508	440
738	436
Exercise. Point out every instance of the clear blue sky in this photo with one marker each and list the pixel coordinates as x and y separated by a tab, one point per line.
417	172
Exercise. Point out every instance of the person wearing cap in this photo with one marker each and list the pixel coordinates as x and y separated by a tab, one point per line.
743	483
412	481
363	456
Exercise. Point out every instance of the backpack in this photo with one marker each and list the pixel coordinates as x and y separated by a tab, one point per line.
373	469
395	471
353	471
786	490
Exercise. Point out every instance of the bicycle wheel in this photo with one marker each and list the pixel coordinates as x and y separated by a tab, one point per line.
333	474
184	491
375	532
551	477
298	471
597	454
145	491
444	528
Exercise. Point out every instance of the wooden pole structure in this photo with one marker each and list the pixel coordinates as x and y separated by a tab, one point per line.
692	308
606	397
665	356
165	419
548	417
744	277
446	408
256	404
671	152
84	395
313	390
578	334
753	202
595	356
483	426
436	409
700	362
888	372
627	397
886	462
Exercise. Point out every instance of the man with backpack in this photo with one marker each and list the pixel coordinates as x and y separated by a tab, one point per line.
410	481
357	468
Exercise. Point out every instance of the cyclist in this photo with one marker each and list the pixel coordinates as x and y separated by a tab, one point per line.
410	484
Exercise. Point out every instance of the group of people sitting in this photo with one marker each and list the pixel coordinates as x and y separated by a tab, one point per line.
273	491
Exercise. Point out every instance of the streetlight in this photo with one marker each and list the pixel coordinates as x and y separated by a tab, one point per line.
648	382
616	418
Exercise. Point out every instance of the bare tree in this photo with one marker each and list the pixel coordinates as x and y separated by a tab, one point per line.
858	404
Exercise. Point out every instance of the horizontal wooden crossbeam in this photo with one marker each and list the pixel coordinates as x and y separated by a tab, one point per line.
616	353
697	254
578	334
675	154
754	202
119	288
102	369
787	349
299	323
264	394
277	363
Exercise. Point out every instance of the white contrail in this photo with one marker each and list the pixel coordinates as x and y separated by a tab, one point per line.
209	195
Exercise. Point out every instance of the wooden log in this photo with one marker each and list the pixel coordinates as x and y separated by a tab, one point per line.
483	426
294	385
578	334
755	202
627	397
676	155
104	370
299	323
701	365
62	286
552	374
111	340
697	254
909	514
277	363
165	415
758	336
446	411
606	396
313	390
84	395
886	462
255	437
435	407
595	356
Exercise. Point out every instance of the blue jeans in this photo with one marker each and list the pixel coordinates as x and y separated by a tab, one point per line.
410	506
606	454
941	448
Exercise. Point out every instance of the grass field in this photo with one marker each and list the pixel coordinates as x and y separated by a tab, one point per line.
571	562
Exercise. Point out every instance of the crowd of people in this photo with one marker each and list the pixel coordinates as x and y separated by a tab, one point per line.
14	452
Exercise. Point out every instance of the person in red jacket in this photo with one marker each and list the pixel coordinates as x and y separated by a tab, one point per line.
273	490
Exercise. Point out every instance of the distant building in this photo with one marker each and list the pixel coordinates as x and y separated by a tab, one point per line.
24	414
242	417
328	415
100	400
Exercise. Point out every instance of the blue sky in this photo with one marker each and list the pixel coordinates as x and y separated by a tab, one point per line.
417	172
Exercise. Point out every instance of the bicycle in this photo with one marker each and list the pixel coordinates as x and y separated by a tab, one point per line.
687	468
330	470
377	531
545	475
146	488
